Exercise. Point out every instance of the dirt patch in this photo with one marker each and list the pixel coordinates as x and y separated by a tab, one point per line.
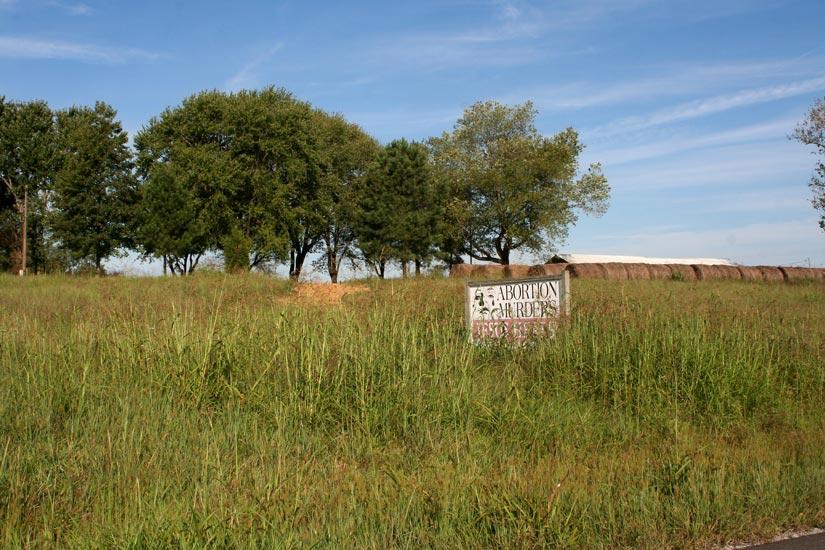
325	293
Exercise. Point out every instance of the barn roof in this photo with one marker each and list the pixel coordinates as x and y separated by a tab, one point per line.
605	258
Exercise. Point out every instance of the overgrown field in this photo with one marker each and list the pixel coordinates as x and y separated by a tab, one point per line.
221	412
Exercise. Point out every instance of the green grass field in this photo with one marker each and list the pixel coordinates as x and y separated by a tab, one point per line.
219	412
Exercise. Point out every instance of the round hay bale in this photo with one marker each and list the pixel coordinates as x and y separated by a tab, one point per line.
461	270
798	273
555	269
494	271
637	272
750	273
587	271
659	271
516	271
535	270
544	270
729	272
771	273
483	271
682	271
616	271
707	272
812	273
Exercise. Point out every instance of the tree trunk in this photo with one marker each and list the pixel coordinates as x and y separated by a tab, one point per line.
164	265
332	265
25	214
297	264
193	263
505	256
418	267
404	269
379	267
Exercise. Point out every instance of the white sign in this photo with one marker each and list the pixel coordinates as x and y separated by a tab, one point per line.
516	309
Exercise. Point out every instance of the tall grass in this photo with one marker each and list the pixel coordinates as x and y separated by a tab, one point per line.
214	412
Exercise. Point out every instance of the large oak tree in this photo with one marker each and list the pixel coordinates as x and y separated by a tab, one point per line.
511	187
346	152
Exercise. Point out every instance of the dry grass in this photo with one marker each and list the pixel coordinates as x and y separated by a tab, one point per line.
325	293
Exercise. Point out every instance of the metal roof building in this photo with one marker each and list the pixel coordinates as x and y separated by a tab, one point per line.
604	258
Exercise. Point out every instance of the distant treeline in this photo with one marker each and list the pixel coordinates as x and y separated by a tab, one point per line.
262	178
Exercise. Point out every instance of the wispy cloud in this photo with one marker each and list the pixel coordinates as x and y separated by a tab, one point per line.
772	200
712	105
770	130
509	36
16	47
73	8
249	75
777	162
686	80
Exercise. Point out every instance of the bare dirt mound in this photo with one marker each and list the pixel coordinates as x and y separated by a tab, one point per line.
325	293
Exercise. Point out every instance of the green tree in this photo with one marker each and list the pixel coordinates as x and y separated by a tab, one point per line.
275	143
511	187
346	152
420	202
171	221
94	188
27	142
812	132
399	208
189	181
250	162
236	246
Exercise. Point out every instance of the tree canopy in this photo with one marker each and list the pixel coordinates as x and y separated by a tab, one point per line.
94	188
400	208
261	178
513	188
346	152
812	132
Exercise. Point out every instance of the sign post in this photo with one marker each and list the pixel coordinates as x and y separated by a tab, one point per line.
515	310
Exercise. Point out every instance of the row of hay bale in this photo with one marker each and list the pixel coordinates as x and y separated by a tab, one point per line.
696	272
634	271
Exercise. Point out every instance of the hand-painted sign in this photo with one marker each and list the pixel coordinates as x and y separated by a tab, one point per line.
516	309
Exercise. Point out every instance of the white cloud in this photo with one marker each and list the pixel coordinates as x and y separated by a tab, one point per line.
772	200
755	243
742	164
248	76
70	7
711	105
771	130
508	38
509	10
671	81
79	9
30	48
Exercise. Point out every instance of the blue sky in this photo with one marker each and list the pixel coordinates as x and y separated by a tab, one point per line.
687	104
